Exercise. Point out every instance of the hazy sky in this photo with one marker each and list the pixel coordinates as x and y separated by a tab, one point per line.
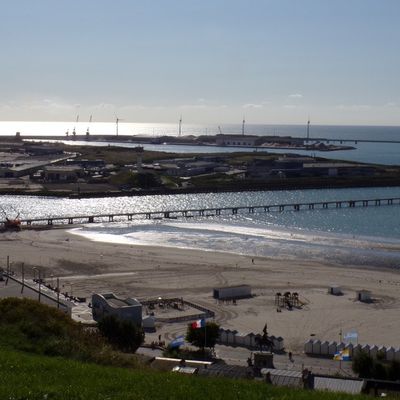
213	61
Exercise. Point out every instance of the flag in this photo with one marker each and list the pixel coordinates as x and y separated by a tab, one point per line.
342	355
178	342
200	323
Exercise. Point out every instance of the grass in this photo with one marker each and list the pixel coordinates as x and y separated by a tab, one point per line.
28	376
45	355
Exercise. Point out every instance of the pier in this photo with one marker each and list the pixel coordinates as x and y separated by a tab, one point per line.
206	212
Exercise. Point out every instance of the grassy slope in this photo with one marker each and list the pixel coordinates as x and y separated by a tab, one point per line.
28	376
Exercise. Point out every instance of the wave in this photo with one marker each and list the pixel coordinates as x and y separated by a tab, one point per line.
247	239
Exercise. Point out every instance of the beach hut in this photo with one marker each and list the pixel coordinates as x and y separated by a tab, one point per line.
356	350
335	290
373	351
223	336
397	354
390	351
382	351
365	348
279	343
230	336
240	339
251	339
316	347
350	348
332	348
325	348
308	346
364	296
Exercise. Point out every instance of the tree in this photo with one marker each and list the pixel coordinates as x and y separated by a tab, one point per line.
123	334
363	365
203	337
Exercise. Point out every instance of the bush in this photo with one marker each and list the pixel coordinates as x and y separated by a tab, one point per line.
30	326
124	335
363	365
203	337
366	367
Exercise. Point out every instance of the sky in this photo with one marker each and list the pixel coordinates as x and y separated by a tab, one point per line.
211	61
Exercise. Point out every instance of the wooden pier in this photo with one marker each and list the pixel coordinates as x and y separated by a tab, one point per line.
207	212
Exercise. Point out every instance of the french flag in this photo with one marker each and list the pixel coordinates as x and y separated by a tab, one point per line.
200	323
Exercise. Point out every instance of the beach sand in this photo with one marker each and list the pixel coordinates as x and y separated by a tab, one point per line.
85	266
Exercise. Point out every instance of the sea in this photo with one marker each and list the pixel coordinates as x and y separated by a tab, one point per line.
362	236
378	153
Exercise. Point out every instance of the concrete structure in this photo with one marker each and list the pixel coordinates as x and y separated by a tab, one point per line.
109	304
232	292
15	287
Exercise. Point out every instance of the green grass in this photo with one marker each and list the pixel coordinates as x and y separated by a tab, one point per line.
28	376
46	355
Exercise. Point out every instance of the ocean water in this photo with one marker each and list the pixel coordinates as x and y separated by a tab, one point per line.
379	153
361	236
158	129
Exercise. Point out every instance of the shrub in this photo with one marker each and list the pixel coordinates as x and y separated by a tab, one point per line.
203	337
124	335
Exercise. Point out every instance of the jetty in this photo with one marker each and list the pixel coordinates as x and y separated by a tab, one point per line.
205	212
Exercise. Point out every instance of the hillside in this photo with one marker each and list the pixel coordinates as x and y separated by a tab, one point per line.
29	332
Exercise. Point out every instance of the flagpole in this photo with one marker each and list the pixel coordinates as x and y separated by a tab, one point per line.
340	341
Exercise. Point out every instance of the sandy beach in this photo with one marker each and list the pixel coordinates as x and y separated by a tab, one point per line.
84	267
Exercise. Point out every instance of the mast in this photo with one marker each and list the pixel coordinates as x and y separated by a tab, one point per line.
180	127
308	129
243	122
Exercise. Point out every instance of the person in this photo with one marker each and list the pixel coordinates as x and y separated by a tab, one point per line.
290	356
252	260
